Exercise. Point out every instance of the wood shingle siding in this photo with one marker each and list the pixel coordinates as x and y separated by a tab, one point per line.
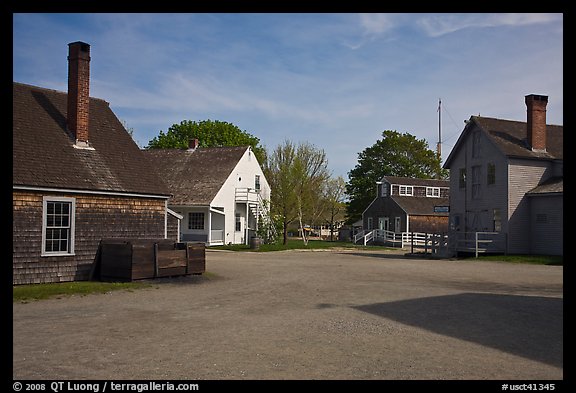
97	217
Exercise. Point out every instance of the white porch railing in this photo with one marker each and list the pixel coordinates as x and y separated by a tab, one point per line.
216	236
479	242
258	207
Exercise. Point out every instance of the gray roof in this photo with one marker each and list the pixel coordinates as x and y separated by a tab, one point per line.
420	206
510	138
44	154
409	181
554	185
195	176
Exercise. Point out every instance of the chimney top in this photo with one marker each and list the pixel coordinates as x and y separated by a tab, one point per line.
79	93
536	97
536	122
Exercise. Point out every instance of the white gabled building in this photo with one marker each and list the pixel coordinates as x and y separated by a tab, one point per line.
221	192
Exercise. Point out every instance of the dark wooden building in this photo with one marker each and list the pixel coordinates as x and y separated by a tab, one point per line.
404	204
78	177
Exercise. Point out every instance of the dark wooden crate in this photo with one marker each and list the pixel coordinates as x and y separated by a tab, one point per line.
136	259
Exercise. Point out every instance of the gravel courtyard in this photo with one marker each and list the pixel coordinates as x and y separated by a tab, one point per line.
306	315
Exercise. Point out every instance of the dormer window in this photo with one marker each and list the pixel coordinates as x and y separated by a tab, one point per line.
406	190
433	192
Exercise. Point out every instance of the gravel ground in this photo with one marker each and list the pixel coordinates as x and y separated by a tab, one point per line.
306	315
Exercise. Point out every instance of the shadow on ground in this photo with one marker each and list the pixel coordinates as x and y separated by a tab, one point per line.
527	326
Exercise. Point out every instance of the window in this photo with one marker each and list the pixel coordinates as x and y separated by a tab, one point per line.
58	225
397	223
195	220
476	144
370	224
385	189
406	190
433	192
497	220
238	227
257	182
455	225
462	178
491	174
476	182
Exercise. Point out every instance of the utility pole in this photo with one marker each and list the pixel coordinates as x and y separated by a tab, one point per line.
439	145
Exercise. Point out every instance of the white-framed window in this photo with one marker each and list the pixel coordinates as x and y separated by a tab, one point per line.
433	192
257	182
407	190
238	225
370	223
397	224
58	222
196	220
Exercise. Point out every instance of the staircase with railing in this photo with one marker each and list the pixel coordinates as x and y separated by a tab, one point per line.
259	209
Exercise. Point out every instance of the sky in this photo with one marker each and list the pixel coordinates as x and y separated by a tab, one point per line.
335	80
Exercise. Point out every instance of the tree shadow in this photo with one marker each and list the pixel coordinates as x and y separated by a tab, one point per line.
527	326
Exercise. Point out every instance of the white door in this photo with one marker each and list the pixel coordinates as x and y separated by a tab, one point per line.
384	223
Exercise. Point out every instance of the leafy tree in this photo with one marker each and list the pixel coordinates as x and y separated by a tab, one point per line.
296	175
210	133
334	194
396	154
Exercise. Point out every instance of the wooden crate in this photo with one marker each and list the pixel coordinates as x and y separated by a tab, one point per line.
136	259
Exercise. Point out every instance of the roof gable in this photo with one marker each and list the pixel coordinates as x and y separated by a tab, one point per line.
44	154
194	177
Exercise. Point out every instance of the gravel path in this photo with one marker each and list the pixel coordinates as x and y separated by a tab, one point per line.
306	315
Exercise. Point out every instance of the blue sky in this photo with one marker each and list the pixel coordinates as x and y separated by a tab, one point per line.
336	80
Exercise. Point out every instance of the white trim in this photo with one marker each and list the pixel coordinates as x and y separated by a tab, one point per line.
173	213
73	191
432	189
72	201
406	188
212	210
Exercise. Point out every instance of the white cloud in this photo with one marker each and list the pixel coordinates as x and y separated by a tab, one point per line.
376	23
437	25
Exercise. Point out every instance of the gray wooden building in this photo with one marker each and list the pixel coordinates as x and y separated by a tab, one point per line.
506	177
77	177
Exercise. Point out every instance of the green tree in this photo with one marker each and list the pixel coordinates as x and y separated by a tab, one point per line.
334	194
210	133
296	174
396	154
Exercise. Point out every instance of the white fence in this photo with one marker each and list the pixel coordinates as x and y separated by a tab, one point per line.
478	242
432	242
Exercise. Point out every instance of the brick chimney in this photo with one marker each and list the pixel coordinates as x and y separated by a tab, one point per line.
536	122
78	92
